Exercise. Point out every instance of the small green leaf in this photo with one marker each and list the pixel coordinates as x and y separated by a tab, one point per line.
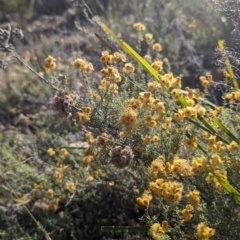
227	131
226	185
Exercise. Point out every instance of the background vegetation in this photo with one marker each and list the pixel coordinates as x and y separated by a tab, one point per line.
37	200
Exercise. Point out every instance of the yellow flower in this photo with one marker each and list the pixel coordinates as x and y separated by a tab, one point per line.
50	63
104	57
153	86
148	58
64	152
232	146
204	232
134	103
58	175
50	192
53	206
192	141
176	93
160	108
145	199
71	187
155	138
164	225
87	160
37	185
190	112
128	68
181	167
186	215
88	67
157	65
200	110
67	169
119	57
139	27
79	63
89	179
205	82
157	47
198	165
193	197
128	120
180	115
192	24
148	37
156	229
150	121
157	165
51	152
215	161
110	184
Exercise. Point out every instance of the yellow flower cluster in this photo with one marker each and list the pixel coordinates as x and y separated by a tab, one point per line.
91	151
193	93
146	101
190	112
50	192
187	112
157	65
58	175
108	58
128	120
215	161
63	153
204	232
83	65
212	179
37	186
150	139
187	213
128	68
152	121
198	165
170	190
157	47
90	138
232	146
157	229
148	58
200	109
145	199
169	81
176	93
51	152
193	197
53	205
233	96
153	86
50	63
84	116
192	141
148	37
218	146
139	27
112	77
71	186
206	81
157	166
87	159
180	167
105	84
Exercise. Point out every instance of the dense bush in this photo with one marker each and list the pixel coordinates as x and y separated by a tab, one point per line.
95	141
